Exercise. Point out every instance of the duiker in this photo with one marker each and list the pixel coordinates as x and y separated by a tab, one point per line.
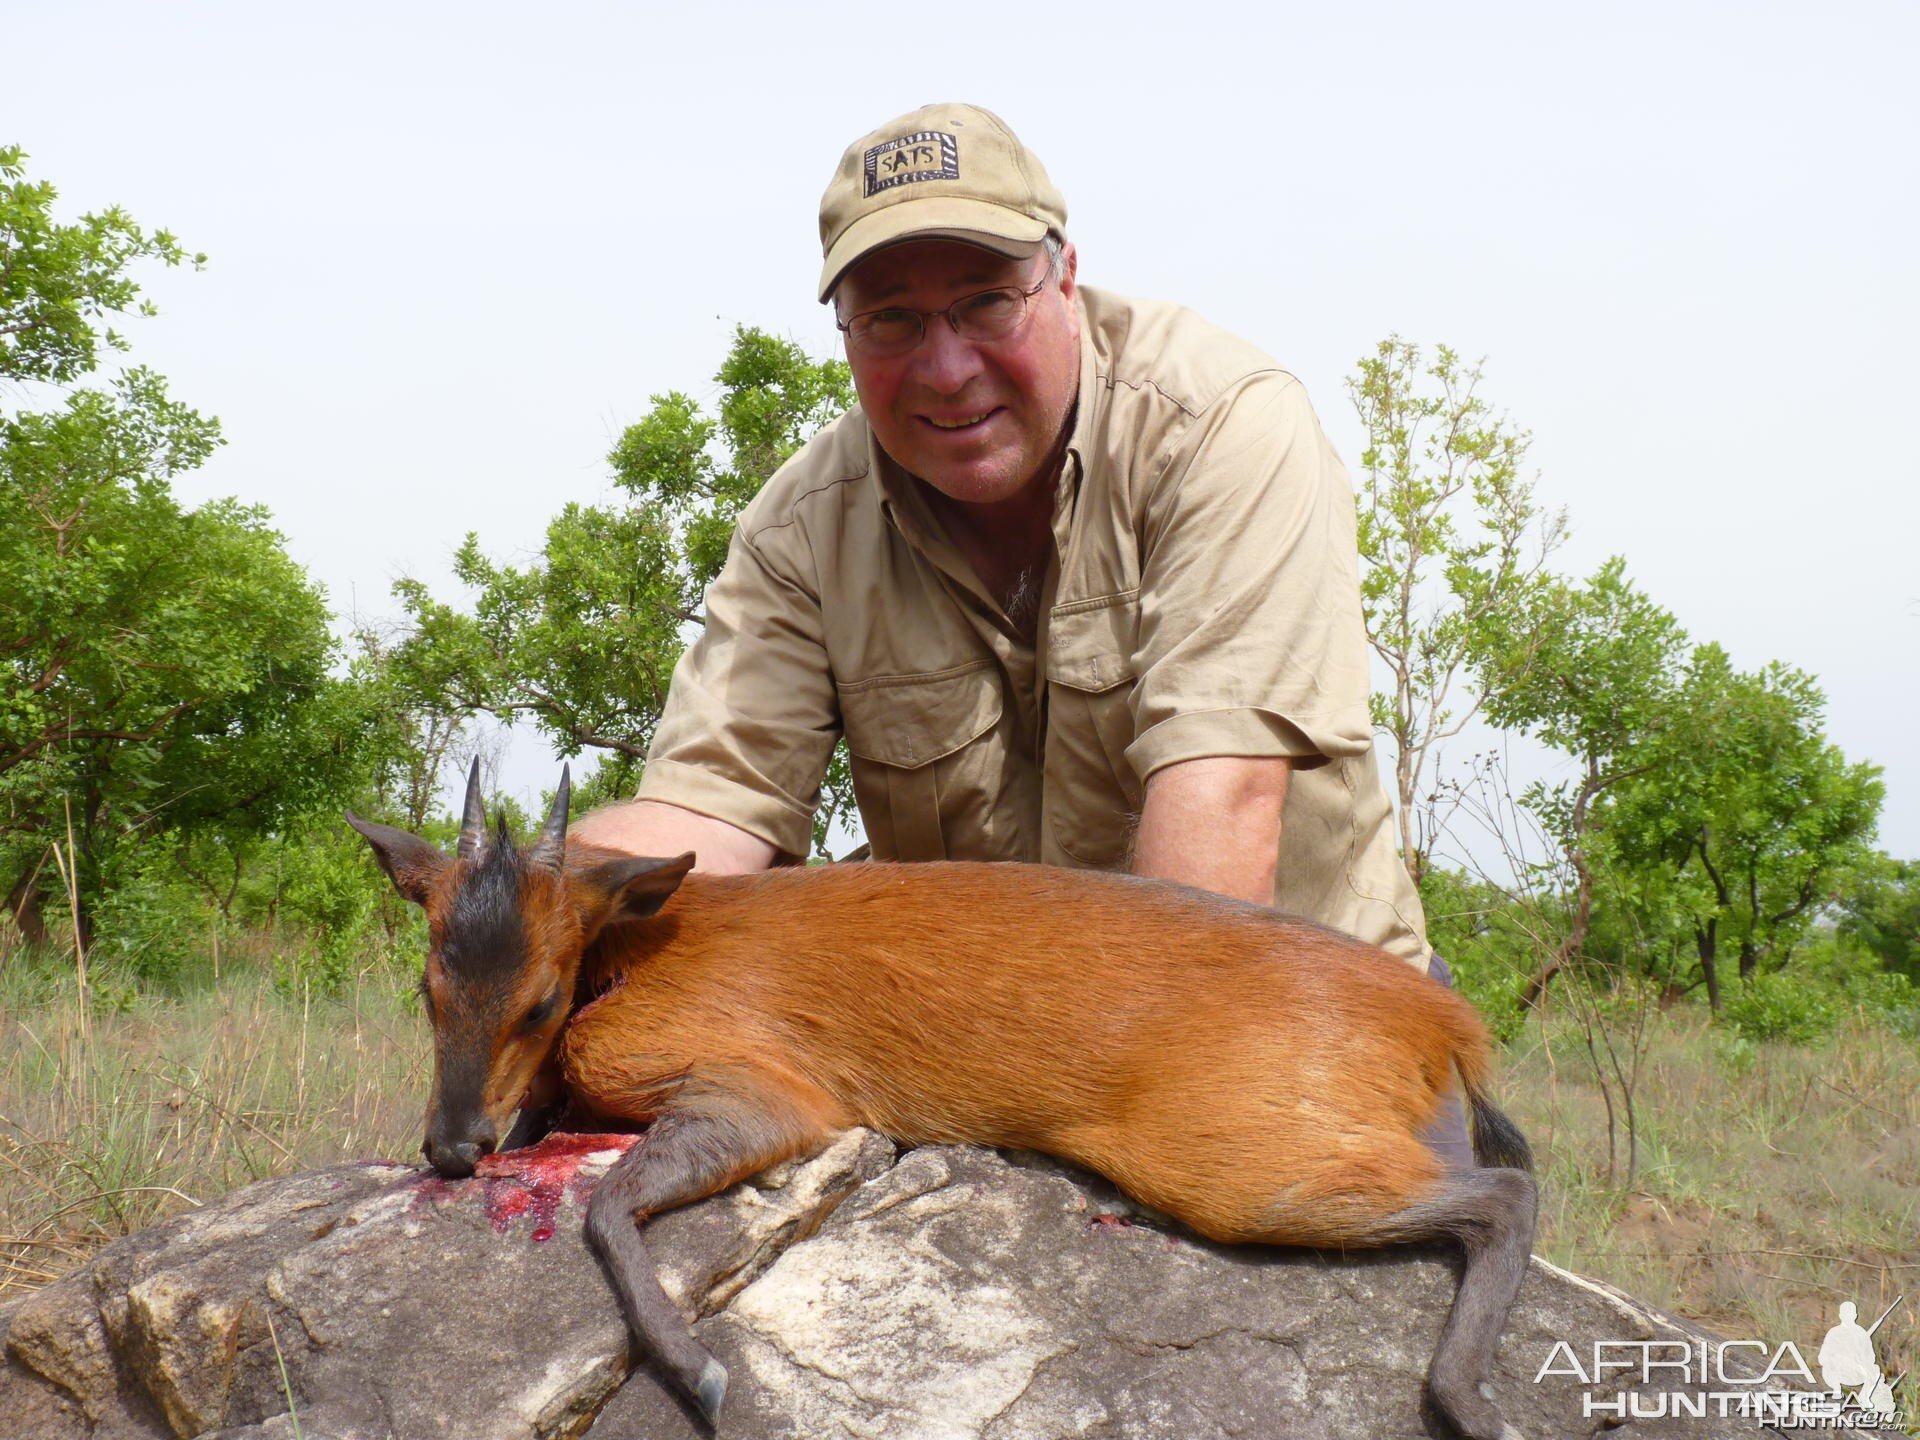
1255	1076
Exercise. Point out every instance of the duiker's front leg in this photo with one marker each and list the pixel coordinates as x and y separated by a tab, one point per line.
546	1098
684	1156
530	1127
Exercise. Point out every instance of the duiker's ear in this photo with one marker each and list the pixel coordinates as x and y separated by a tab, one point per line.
633	886
410	862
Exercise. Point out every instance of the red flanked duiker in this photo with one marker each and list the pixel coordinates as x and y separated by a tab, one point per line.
1256	1076
506	930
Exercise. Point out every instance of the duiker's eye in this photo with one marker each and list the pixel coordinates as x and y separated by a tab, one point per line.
543	1012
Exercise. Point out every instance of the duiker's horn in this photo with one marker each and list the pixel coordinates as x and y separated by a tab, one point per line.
473	828
551	847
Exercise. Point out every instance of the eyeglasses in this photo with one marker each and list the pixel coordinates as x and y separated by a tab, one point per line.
985	315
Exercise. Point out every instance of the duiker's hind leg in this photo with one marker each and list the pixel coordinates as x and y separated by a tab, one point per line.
1491	1213
685	1156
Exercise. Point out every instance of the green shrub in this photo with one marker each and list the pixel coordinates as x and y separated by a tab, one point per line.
1888	996
1782	1005
1484	937
149	925
338	913
1848	976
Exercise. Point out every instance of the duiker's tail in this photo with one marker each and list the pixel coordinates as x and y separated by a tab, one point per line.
1497	1141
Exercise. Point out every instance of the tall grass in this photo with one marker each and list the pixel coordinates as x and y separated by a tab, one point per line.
124	1112
1776	1180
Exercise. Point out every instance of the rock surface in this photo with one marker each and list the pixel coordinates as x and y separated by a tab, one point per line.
943	1294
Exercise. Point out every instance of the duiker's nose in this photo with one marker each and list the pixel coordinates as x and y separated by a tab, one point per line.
457	1156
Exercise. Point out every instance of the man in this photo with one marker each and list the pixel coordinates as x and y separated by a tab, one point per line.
1077	579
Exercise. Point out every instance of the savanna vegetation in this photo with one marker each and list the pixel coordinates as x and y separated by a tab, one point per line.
1703	967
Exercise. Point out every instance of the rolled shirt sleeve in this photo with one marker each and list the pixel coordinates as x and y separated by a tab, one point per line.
751	718
1251	641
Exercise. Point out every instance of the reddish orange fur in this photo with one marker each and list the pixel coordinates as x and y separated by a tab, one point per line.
1256	1076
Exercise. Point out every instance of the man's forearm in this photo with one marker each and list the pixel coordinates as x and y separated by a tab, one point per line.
1214	823
649	827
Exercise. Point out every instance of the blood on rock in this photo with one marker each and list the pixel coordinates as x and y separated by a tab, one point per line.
531	1182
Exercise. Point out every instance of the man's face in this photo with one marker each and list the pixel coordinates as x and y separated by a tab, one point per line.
975	419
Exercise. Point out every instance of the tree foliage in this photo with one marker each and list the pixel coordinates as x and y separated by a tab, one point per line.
60	282
412	735
167	668
1451	537
583	640
1880	909
1587	668
1708	801
1754	817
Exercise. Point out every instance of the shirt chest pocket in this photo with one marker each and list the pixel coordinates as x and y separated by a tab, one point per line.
1092	797
925	768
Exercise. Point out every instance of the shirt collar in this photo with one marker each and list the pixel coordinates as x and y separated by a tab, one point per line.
1073	464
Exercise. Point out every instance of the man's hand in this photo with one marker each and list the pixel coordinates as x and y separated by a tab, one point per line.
1214	823
648	827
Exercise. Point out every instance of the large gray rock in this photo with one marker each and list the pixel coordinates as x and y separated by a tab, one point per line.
950	1292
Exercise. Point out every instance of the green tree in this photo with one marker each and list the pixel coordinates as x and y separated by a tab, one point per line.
166	667
412	734
1451	537
1589	669
1758	817
1880	911
584	640
60	282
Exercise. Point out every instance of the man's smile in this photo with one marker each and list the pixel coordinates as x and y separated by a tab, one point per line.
960	422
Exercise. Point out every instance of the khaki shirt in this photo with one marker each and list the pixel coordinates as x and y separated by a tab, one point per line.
1203	601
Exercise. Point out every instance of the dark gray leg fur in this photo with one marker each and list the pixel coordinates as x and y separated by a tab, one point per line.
683	1157
530	1127
1491	1213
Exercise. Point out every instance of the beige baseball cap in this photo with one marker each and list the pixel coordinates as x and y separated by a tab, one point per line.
949	172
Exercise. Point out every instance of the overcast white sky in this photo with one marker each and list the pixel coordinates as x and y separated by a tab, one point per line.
454	248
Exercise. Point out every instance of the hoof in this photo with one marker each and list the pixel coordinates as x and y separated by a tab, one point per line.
711	1392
